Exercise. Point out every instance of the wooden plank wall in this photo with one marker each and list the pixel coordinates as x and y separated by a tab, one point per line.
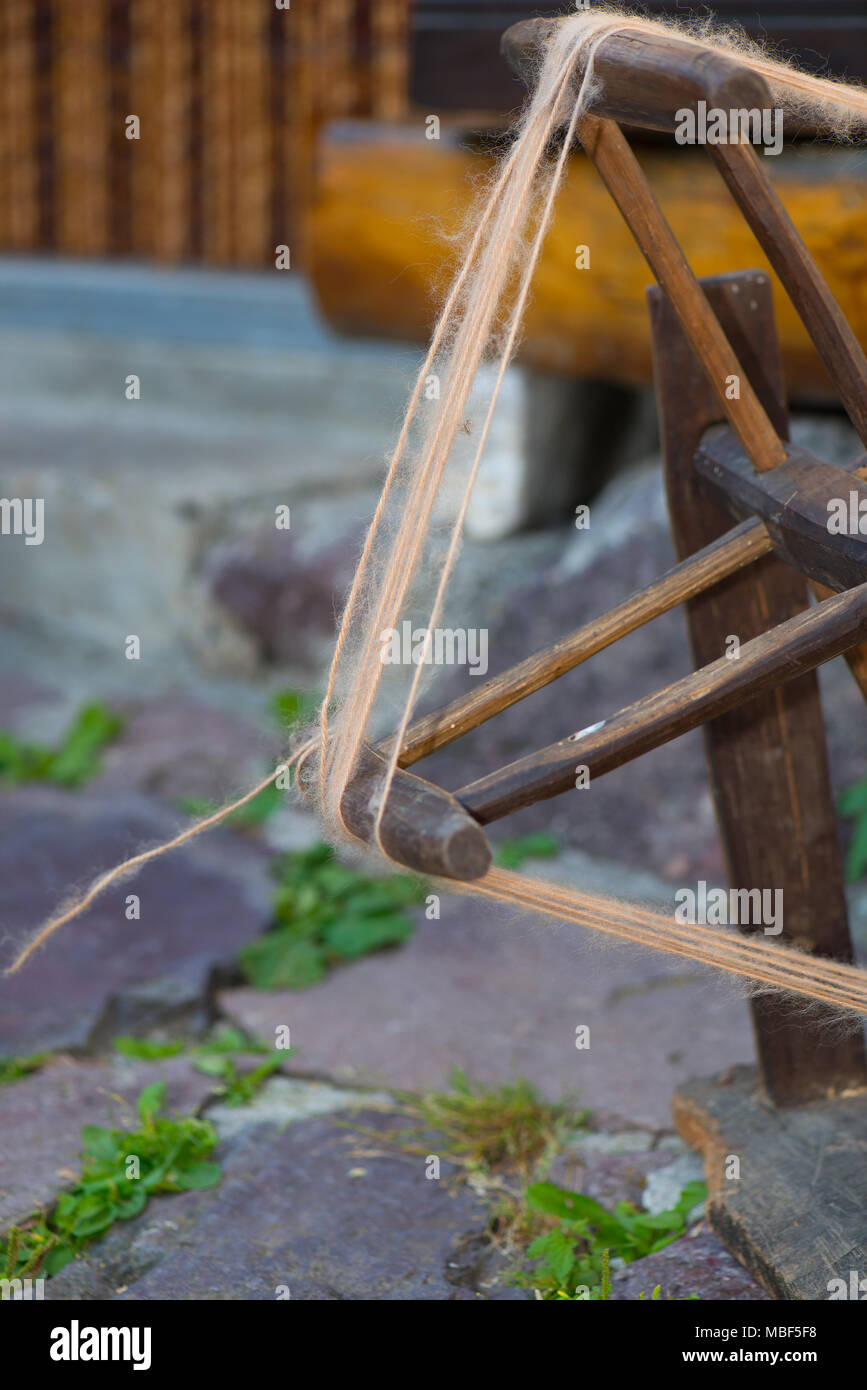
229	94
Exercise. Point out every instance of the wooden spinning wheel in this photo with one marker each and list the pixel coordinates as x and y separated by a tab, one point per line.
726	457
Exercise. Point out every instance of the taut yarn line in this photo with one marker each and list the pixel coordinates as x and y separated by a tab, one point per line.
411	547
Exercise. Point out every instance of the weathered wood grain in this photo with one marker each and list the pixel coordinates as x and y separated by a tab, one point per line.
423	827
793	502
624	178
767	760
746	177
796	1215
643	80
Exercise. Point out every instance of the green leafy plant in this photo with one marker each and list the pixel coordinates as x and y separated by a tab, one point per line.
215	1057
239	1088
24	1250
512	854
15	1068
572	1258
228	1038
294	707
170	1156
143	1050
497	1135
74	761
326	913
853	806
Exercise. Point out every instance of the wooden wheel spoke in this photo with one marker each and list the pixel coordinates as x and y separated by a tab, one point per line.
732	552
789	650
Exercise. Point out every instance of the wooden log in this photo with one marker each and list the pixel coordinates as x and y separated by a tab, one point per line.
253	154
387	199
768	760
795	1214
389	59
19	166
423	827
160	95
340	82
218	126
295	43
768	661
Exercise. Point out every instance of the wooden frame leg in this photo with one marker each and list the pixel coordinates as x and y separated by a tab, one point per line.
768	759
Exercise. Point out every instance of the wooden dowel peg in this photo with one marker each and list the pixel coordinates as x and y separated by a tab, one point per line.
422	827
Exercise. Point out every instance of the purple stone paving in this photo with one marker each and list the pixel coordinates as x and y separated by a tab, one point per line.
198	905
501	997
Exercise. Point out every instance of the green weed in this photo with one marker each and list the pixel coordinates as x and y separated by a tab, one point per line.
121	1170
143	1050
326	913
487	1130
572	1258
294	708
74	761
214	1057
512	854
15	1068
853	806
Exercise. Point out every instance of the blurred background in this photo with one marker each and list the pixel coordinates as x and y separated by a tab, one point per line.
225	226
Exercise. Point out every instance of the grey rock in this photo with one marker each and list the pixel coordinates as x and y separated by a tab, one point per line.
672	1143
626	1142
285	600
284	1100
168	1004
696	1264
19	693
198	906
176	747
666	1184
608	1177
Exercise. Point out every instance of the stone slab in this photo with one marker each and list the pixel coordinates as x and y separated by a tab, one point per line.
309	1211
501	995
198	906
696	1264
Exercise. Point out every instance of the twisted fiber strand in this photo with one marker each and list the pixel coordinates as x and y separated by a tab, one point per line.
832	982
137	861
